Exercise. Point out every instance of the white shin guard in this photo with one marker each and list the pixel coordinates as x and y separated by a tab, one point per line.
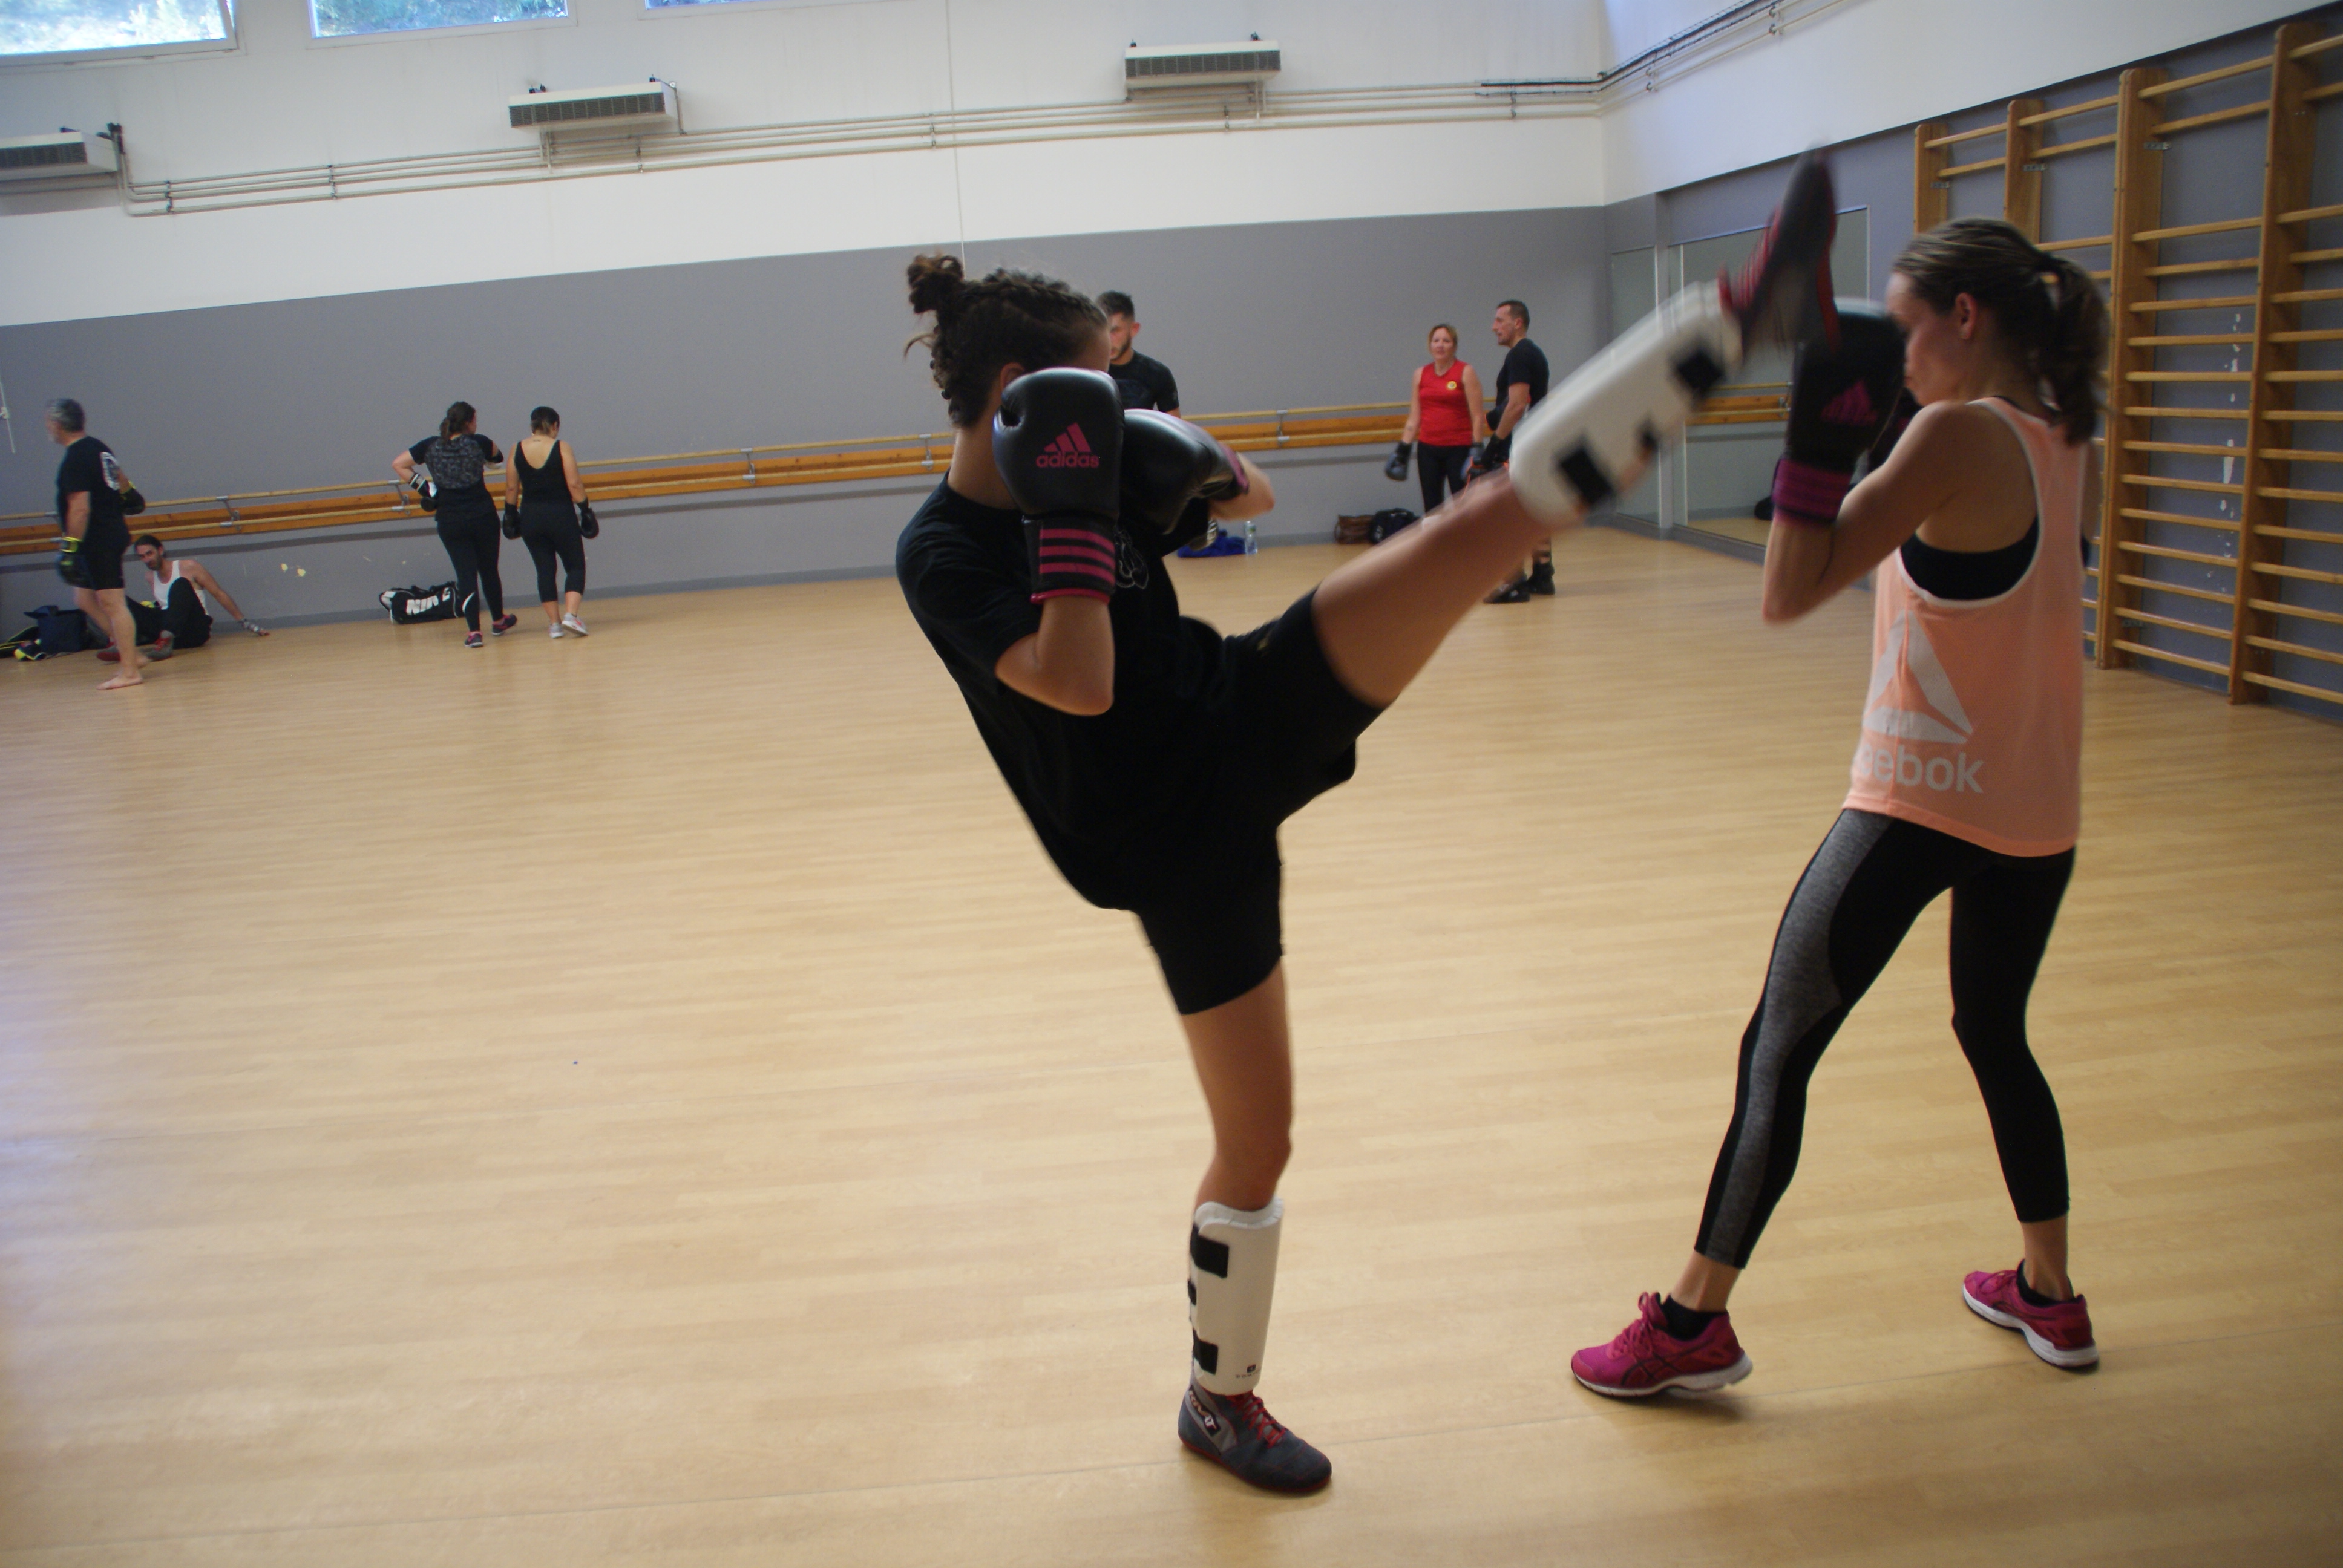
1570	451
1232	1273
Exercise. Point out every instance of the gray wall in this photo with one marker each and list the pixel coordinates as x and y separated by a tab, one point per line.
743	353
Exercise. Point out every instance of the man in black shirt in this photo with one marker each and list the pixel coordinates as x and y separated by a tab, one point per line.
1144	382
89	512
1521	384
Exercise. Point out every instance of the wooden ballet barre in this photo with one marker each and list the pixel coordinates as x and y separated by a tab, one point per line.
2223	301
684	473
1964	136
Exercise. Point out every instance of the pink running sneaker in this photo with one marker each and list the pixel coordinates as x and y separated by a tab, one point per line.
1645	1359
2060	1333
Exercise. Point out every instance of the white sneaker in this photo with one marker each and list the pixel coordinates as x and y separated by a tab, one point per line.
577	628
554	632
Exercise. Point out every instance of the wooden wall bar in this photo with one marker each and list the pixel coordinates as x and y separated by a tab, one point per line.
2145	518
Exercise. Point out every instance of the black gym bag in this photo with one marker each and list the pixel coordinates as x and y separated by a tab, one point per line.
55	631
409	605
1389	521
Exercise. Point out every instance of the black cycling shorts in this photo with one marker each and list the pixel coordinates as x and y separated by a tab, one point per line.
1289	733
104	544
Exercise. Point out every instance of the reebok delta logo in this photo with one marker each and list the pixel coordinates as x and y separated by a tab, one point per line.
1852	407
1941	718
1070	450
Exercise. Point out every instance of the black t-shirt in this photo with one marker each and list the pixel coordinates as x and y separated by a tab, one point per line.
1145	383
459	469
1524	367
1103	793
89	468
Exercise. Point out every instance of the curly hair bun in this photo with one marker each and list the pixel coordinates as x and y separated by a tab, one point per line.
936	283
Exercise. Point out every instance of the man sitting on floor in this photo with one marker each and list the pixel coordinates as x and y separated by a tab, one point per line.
177	618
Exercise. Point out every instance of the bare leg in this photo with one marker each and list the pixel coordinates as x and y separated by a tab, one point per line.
2045	1258
552	612
107	607
572	603
1381	617
1705	1284
1245	1061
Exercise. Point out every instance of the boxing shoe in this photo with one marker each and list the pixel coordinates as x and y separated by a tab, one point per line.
1597	429
1237	1433
1781	292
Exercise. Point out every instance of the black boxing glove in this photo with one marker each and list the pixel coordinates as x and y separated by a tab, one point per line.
1840	397
72	564
427	493
512	522
1898	419
1396	468
1172	472
1058	443
1497	451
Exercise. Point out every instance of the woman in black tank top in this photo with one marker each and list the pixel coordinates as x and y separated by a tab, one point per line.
542	480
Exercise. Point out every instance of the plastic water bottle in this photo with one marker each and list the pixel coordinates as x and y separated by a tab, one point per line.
1252	545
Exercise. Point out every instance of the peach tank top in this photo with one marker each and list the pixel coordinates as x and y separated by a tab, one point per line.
1974	722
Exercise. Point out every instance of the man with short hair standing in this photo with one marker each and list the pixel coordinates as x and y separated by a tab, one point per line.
1144	382
1521	383
95	537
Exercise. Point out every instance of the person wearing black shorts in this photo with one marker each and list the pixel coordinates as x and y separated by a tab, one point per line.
94	536
457	460
1521	387
1109	714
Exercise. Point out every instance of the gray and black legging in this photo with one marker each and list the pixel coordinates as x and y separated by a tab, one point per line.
1859	895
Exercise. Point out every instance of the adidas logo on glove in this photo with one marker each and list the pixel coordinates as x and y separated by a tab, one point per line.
1852	407
1070	450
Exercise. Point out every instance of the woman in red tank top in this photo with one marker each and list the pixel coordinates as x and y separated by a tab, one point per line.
1445	419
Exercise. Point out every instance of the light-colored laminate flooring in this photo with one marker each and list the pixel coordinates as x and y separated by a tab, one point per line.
647	1101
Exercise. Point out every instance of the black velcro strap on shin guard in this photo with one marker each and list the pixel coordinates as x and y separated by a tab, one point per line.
1207	1254
1207	1354
1697	371
1586	477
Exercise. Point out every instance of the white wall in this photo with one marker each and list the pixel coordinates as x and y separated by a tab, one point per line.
284	100
1869	66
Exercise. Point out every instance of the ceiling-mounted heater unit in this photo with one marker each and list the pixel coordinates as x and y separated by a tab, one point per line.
65	156
1247	64
649	107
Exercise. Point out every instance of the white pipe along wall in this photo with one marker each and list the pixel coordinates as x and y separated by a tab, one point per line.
1831	70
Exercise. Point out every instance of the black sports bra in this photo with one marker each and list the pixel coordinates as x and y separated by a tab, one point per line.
1970	574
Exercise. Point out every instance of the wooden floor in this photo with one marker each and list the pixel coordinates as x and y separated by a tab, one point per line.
647	1100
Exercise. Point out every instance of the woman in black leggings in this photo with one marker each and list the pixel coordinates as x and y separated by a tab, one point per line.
542	481
1966	776
453	465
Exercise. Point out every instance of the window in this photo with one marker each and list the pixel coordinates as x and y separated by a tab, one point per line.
342	18
72	26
